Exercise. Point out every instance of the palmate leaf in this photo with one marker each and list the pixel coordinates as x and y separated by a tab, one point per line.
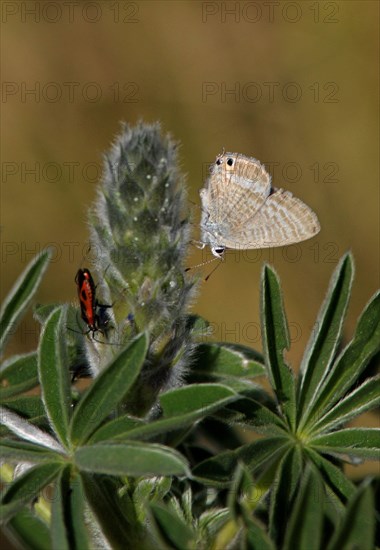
25	430
67	526
352	361
117	524
357	527
30	407
150	489
281	460
27	487
255	535
211	521
222	359
53	371
218	470
356	442
28	531
181	407
170	529
304	529
239	492
116	428
285	485
250	413
362	399
275	343
18	375
232	365
244	496
333	477
325	338
108	389
20	296
264	454
20	451
131	459
41	312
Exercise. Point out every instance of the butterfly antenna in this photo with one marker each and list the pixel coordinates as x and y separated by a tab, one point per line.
201	265
214	269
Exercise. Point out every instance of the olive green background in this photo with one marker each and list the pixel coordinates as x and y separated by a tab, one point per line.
293	84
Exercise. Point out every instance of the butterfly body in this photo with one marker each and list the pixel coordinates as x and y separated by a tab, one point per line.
241	209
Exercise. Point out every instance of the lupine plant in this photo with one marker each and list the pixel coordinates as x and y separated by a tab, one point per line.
174	441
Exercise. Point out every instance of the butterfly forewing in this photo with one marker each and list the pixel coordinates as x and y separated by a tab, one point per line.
242	185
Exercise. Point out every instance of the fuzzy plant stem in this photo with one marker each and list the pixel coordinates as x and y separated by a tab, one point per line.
139	238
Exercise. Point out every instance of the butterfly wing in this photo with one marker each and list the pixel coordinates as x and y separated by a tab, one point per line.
237	188
282	220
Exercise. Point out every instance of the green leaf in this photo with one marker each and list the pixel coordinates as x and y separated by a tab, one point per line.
225	360
215	431
108	389
284	487
29	531
333	477
41	312
25	430
353	360
194	398
212	521
131	459
26	487
181	407
20	296
152	489
200	328
360	442
256	537
54	375
30	407
262	452
362	399
187	503
249	412
60	536
357	530
171	529
275	341
67	521
325	339
18	374
116	428
239	385
305	526
240	489
20	451
218	470
102	494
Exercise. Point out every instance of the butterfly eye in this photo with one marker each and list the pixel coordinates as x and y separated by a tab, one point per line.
218	162
230	162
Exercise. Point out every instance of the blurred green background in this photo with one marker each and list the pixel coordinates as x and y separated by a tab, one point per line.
293	84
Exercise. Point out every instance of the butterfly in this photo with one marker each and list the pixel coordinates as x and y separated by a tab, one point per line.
241	209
